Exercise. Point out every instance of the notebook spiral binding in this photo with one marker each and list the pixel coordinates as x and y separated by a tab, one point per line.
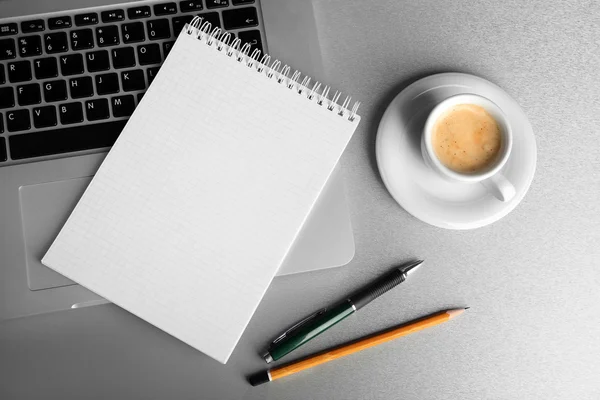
272	69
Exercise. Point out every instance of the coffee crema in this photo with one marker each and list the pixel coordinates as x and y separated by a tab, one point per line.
466	138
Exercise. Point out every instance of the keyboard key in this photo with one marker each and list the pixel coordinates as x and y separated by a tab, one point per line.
112	16
86	19
3	156
2	76
30	46
7	97
240	18
56	42
96	109
55	91
123	57
107	35
19	71
81	87
149	54
252	38
43	117
45	68
35	25
71	64
70	113
107	83
8	29
82	39
29	94
165	8
138	12
167	46
97	61
122	106
239	2
7	49
152	74
133	32
1	124
65	140
18	120
133	80
216	3
212	17
158	29
179	23
190	5
59	22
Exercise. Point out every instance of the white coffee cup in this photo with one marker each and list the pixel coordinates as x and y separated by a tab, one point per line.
490	177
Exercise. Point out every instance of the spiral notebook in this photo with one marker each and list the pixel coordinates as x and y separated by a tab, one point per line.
201	197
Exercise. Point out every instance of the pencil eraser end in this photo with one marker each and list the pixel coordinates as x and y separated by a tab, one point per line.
259	378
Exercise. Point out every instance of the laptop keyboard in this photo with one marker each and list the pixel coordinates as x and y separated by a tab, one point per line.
69	81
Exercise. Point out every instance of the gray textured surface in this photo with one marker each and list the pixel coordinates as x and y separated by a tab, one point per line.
532	279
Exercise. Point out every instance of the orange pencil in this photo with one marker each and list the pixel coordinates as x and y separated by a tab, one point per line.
350	348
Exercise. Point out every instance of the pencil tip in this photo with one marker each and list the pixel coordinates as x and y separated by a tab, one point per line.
455	312
466	308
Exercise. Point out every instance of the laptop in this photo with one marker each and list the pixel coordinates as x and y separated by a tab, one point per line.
71	73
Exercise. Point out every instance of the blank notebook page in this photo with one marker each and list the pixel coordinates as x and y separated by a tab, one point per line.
196	205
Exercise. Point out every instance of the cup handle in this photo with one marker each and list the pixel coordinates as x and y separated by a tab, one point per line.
500	187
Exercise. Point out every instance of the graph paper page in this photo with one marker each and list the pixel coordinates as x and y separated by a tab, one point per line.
196	205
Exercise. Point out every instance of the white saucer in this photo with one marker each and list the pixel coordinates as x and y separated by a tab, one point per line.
422	192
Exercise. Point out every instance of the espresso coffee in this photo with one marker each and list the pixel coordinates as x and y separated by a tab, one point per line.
466	138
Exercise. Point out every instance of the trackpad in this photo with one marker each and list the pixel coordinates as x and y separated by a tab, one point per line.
325	241
44	210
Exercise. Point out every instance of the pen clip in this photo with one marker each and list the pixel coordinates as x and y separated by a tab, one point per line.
297	325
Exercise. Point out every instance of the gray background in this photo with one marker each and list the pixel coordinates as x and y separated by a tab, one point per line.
531	279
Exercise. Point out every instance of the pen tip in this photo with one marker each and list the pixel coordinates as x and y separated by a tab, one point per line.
411	267
466	308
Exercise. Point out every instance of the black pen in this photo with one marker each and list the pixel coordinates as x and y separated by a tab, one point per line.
324	319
